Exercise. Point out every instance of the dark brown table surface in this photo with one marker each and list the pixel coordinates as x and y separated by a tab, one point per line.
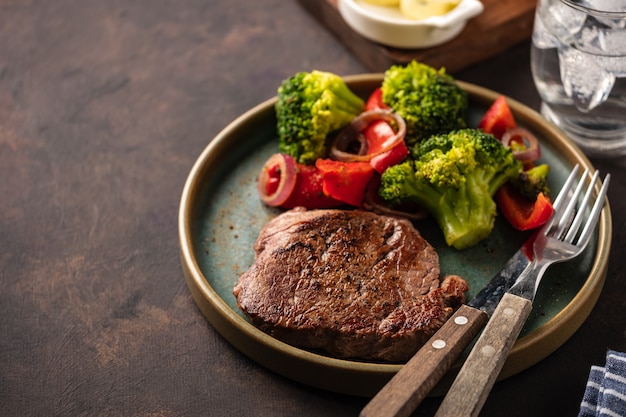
104	107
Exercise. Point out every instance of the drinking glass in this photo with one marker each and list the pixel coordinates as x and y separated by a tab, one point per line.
578	62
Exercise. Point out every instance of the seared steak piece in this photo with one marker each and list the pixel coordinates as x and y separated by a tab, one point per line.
353	284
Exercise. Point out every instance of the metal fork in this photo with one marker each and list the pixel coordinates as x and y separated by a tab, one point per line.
561	239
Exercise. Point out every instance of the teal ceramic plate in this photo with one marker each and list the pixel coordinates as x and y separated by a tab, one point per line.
221	216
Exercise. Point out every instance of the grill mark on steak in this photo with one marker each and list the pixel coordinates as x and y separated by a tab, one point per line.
350	283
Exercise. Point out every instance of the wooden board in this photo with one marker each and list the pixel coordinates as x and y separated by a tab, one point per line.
502	24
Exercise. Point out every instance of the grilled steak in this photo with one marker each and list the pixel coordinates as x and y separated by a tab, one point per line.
353	284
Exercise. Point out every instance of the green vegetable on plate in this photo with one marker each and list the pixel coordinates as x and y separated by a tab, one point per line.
454	176
533	181
311	106
429	100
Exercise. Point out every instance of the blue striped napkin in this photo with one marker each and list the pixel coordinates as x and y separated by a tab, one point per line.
605	394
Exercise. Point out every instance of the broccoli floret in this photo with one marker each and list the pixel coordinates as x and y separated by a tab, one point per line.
454	176
533	181
310	106
429	100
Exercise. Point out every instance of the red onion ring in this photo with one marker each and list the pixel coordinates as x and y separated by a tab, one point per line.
351	134
532	149
287	169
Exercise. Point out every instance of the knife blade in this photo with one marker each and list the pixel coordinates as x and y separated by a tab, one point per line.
410	385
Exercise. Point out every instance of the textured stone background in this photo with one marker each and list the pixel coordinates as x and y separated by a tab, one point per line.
104	107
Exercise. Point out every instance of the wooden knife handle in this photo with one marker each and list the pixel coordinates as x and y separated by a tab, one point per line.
403	393
472	385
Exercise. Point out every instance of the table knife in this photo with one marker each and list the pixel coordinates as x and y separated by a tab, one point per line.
410	385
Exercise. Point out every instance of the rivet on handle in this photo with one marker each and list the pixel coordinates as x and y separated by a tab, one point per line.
488	350
439	344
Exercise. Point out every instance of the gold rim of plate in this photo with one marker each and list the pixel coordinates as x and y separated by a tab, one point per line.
365	378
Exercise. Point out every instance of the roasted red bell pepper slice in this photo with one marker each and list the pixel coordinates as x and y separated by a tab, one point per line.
375	100
308	190
345	181
376	133
520	212
498	118
392	157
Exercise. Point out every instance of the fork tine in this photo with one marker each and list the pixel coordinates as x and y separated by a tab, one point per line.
581	212
595	213
560	198
565	220
560	204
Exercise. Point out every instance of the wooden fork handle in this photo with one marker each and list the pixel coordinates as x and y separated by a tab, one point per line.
424	370
472	385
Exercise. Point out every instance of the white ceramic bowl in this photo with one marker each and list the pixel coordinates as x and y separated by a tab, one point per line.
388	26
